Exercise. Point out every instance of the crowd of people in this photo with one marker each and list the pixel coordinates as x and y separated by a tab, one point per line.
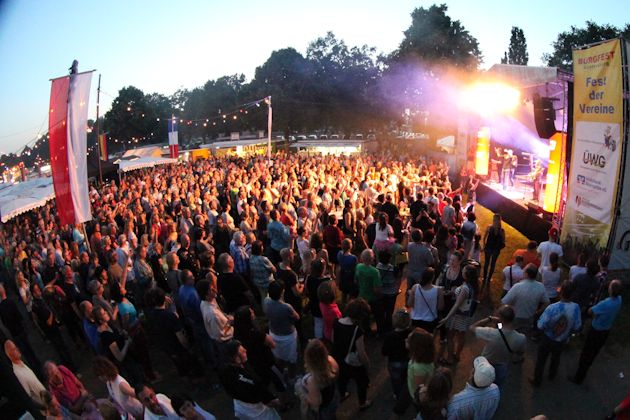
267	279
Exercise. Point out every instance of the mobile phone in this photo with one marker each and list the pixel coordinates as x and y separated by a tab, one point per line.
499	325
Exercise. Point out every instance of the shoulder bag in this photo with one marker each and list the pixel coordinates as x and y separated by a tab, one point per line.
352	357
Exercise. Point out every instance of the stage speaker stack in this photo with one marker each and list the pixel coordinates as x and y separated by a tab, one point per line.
544	116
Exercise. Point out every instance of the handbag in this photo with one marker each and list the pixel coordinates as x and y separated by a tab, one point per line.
352	357
435	317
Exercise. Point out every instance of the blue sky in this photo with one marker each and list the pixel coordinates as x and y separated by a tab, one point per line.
160	46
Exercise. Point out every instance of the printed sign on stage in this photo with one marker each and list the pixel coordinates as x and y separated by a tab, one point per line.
597	146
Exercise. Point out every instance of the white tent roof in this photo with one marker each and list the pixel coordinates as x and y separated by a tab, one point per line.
147	151
144	162
19	198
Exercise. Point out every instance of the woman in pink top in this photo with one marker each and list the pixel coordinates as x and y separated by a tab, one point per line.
326	292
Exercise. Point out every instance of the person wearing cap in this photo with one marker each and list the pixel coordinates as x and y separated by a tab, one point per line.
547	247
480	397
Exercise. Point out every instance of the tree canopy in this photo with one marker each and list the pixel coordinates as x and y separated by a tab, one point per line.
437	40
562	55
517	51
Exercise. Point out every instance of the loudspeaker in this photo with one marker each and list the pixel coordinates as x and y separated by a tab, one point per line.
544	117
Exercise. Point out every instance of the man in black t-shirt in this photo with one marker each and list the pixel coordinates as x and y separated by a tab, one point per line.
232	287
245	387
48	324
168	332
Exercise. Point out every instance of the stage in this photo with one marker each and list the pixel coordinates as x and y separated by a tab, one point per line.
512	204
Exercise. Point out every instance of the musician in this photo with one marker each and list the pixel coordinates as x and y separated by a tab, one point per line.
537	177
513	166
506	168
495	161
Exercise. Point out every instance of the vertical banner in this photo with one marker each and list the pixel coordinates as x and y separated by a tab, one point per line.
57	142
173	141
597	146
620	244
78	100
102	145
67	127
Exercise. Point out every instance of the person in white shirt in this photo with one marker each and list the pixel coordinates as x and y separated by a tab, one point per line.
24	374
219	326
512	274
156	406
580	267
189	409
550	277
528	297
547	247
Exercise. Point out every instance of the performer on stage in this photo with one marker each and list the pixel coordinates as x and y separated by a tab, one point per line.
495	174
506	169
513	166
537	177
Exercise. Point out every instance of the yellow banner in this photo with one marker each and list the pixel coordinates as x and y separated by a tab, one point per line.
597	143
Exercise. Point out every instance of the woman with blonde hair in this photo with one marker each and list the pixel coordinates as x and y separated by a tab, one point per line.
320	381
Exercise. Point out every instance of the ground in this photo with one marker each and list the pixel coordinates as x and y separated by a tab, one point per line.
605	386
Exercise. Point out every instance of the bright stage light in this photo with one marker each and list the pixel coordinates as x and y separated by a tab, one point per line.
555	173
482	155
491	98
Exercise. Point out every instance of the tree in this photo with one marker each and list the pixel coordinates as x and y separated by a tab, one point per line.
435	39
562	55
345	79
287	77
517	52
135	118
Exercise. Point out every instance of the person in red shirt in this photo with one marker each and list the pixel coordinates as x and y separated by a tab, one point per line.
529	254
333	236
68	390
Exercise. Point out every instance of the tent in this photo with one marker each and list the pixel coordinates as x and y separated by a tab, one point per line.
147	151
19	198
136	162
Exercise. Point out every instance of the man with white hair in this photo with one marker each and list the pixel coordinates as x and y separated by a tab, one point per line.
480	397
239	254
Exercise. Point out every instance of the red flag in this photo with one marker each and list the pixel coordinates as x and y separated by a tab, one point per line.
67	125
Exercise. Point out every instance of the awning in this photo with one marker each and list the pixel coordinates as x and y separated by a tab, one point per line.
144	162
19	198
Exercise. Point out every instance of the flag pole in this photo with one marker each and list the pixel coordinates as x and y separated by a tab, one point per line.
98	131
